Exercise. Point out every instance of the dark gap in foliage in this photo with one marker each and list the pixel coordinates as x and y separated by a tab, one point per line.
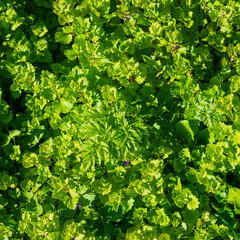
16	105
233	178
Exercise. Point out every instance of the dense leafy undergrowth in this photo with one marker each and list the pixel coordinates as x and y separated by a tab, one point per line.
119	119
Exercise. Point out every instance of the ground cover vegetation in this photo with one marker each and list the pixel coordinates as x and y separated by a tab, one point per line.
119	119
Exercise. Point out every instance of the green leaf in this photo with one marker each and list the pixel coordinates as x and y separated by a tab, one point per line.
203	137
89	196
158	217
191	217
214	15
82	189
127	204
39	28
110	215
164	236
63	37
184	131
12	135
235	83
234	196
66	106
39	209
102	186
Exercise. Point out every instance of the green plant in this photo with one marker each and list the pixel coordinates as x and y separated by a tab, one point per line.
119	119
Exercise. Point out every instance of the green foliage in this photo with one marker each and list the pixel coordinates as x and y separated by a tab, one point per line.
119	119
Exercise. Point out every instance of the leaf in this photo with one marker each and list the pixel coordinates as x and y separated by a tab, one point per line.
191	217
235	83
214	15
164	236
66	106
12	135
234	196
72	202
36	135
82	189
178	165
89	196
193	203
110	215
63	37
39	209
101	186
148	90
183	130
159	217
127	204
203	137
39	28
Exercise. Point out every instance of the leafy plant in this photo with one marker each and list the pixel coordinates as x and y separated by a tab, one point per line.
119	119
